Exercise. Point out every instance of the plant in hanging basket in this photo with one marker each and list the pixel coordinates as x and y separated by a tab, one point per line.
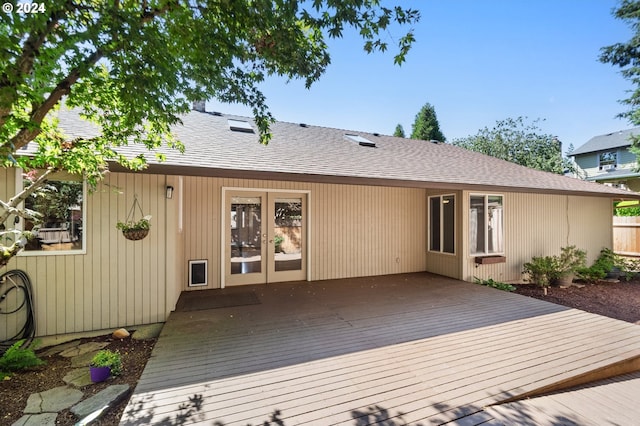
135	230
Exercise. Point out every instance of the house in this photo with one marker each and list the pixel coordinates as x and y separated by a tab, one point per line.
316	203
607	159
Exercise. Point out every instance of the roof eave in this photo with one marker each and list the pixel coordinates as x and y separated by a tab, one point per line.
355	180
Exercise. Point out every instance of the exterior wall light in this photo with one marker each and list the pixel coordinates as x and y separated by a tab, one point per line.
169	192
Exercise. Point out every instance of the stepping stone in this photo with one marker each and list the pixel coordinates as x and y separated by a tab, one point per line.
44	419
149	331
95	405
83	360
83	349
53	400
79	377
58	348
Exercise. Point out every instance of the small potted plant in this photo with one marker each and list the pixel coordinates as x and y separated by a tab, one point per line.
571	259
135	230
104	364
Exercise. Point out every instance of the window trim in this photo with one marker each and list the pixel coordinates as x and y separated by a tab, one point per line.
484	252
441	205
20	226
615	163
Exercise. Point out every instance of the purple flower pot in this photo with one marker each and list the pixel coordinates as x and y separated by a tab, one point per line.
99	374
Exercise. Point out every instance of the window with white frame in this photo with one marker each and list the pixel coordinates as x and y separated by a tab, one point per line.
608	160
442	215
486	225
61	205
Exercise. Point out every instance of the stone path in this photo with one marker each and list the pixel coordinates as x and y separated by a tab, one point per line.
43	407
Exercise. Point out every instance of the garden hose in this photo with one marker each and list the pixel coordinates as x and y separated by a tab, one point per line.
15	286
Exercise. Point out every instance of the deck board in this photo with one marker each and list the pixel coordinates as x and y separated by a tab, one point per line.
431	348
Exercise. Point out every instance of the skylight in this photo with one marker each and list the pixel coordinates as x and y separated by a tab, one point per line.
239	126
361	141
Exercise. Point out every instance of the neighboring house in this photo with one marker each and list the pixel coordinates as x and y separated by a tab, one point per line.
315	204
607	159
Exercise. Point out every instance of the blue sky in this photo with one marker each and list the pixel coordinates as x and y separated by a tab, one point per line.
476	62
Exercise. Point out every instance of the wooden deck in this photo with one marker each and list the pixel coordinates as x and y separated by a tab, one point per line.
412	348
605	402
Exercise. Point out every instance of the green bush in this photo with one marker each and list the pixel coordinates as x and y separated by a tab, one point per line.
542	270
545	270
606	263
19	357
494	284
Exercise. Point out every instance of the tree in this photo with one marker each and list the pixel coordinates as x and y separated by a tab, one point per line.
426	125
514	140
627	57
134	67
399	132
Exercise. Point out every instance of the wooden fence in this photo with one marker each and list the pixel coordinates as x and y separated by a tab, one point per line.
626	235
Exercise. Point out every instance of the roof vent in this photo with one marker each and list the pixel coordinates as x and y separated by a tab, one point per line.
216	113
361	141
303	125
240	126
376	134
435	141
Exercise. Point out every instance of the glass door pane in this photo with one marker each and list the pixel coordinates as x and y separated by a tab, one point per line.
246	235
287	234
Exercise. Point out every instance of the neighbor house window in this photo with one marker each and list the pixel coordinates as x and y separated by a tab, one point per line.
61	204
608	160
486	225
442	224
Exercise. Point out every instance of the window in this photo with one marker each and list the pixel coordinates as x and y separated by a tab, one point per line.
486	225
442	224
608	160
61	202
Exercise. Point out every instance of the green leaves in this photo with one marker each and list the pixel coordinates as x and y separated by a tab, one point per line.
521	143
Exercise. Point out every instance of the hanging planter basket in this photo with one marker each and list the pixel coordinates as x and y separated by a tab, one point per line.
134	229
135	234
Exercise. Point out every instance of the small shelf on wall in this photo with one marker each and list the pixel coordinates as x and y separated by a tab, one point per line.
488	260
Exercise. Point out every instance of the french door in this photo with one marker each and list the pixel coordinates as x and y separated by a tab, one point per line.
265	237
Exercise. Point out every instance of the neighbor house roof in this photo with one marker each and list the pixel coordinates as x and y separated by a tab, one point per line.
299	152
607	142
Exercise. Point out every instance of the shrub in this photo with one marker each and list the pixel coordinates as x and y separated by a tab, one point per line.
607	262
494	284
545	270
542	270
19	357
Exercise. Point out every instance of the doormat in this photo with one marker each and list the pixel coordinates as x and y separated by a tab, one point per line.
214	299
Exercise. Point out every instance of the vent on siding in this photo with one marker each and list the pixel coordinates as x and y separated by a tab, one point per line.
360	140
240	126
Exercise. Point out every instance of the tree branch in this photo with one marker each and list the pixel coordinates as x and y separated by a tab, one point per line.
24	64
25	135
12	206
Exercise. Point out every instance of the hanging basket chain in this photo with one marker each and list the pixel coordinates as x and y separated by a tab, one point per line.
132	212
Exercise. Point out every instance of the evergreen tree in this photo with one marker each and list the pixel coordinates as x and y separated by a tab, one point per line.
399	132
426	125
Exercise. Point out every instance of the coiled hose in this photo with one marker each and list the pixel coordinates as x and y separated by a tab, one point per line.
16	298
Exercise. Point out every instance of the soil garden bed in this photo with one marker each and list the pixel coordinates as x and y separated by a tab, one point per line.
619	300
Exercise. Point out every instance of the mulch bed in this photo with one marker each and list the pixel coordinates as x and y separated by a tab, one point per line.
619	300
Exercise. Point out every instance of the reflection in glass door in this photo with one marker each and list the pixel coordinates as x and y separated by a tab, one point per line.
245	239
265	237
288	238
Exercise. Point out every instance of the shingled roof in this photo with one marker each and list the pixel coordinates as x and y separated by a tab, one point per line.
607	142
318	154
